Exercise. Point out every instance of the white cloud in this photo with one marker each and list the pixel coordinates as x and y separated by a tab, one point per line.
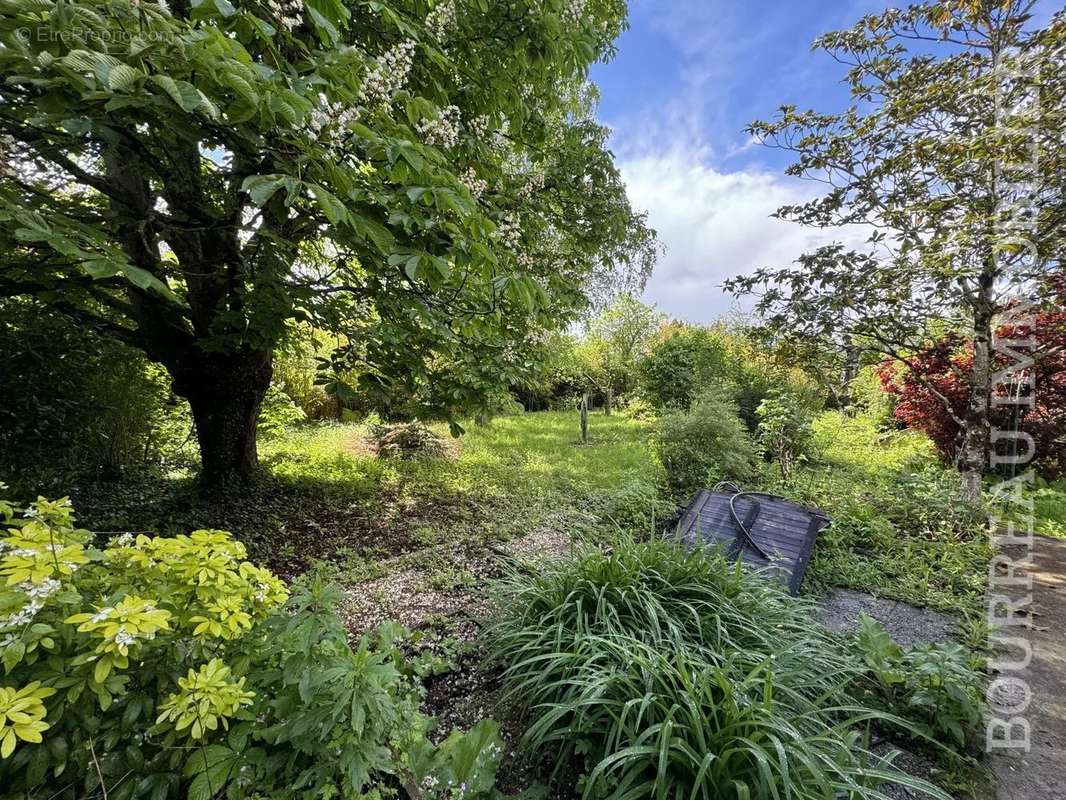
715	225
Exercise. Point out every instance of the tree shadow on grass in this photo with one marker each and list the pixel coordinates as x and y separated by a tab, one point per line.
287	524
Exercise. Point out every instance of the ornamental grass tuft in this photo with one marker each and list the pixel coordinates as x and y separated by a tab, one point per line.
666	672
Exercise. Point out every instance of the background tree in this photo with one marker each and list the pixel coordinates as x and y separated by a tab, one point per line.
951	102
621	335
423	179
682	361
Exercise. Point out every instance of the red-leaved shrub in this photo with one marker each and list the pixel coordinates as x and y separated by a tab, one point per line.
946	366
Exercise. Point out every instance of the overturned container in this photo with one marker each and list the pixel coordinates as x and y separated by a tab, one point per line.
768	532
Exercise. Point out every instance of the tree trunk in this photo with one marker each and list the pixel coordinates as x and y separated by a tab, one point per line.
225	392
973	458
585	418
607	399
850	372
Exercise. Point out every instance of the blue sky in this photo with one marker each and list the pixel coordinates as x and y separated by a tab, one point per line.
688	77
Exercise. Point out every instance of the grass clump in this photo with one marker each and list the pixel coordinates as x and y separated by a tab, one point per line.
668	672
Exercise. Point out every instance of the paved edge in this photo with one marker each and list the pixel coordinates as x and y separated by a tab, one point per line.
1040	773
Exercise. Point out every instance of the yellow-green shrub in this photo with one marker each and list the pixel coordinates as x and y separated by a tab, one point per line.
154	667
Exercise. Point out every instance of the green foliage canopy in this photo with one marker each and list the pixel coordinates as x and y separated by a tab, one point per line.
425	178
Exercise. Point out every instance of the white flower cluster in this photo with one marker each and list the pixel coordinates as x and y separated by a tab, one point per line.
390	73
42	590
37	592
123	540
574	9
534	183
442	131
479	126
290	13
124	638
538	337
334	116
442	19
23	616
471	181
509	233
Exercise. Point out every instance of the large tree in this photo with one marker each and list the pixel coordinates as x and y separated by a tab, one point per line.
424	178
952	157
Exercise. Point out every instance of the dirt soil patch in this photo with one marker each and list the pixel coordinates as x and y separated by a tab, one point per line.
444	594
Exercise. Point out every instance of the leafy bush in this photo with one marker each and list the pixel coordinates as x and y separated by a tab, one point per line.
297	361
659	667
170	667
406	441
703	445
636	406
784	430
936	686
868	397
278	412
682	362
75	401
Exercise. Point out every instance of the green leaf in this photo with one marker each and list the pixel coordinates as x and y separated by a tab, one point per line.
213	768
327	30
102	669
381	236
122	78
183	93
87	60
332	207
261	188
411	267
13	654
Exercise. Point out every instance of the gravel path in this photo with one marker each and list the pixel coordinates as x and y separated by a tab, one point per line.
905	623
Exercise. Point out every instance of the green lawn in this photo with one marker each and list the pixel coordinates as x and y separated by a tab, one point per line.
325	496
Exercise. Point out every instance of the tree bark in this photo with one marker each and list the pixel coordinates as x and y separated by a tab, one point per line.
585	418
225	393
973	458
849	373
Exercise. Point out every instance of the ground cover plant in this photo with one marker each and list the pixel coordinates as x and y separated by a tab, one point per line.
668	672
938	687
898	524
